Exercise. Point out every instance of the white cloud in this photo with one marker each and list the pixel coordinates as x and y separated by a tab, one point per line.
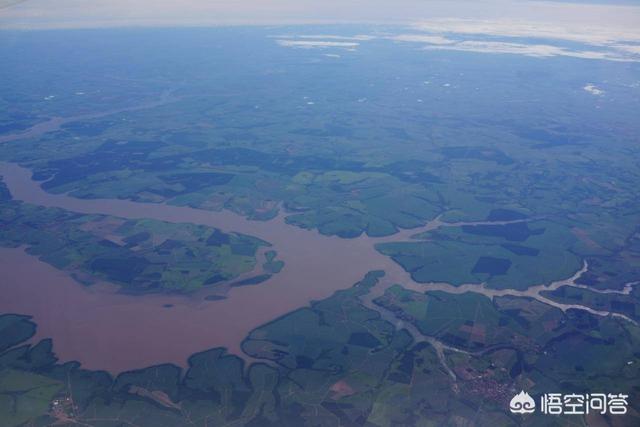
422	38
311	41
534	50
359	37
592	89
589	34
311	44
464	37
629	48
594	42
599	42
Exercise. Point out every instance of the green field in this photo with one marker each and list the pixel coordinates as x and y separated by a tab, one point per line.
337	363
513	256
140	256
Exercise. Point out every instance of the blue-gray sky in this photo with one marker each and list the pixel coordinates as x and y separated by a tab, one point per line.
102	13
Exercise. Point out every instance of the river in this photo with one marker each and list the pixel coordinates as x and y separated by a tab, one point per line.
106	330
139	330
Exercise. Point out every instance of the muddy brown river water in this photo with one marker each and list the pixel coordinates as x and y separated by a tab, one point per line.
106	330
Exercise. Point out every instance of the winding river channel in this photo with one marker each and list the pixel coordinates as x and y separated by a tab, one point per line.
107	330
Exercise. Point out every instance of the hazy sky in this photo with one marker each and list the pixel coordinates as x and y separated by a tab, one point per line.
101	13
